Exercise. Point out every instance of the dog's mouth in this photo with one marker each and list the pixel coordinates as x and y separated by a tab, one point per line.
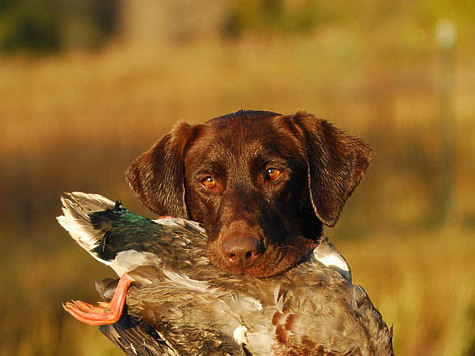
271	261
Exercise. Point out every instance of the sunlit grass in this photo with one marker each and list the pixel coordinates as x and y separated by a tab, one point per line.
422	281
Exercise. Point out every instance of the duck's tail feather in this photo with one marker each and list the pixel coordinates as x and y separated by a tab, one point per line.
76	219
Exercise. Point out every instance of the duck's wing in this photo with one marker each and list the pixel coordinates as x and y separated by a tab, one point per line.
136	338
140	339
124	240
185	316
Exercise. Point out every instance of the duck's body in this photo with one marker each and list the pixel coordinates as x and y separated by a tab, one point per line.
197	309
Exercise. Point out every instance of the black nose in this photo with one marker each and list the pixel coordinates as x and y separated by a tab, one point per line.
241	251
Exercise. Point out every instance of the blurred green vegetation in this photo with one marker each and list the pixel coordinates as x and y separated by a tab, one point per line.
43	26
51	25
74	121
29	24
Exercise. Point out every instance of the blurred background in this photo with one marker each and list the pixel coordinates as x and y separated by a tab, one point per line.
87	85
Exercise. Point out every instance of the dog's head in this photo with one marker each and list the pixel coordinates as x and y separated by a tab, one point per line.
262	184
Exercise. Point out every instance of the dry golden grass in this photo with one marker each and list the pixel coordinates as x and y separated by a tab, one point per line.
75	122
422	282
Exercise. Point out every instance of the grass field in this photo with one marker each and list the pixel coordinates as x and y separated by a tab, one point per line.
74	122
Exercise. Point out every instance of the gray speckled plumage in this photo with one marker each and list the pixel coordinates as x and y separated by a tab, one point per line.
196	309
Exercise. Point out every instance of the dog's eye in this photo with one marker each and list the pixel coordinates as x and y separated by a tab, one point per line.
272	173
208	182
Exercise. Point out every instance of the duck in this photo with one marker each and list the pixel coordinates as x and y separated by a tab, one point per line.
186	306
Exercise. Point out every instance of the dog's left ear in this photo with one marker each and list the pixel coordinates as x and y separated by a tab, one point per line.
157	176
336	163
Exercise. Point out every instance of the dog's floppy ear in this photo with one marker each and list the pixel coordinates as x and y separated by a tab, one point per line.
157	176
336	163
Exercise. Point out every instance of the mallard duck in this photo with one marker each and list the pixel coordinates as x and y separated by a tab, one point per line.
196	309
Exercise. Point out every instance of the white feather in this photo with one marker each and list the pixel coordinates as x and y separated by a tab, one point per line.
126	261
327	254
170	221
335	261
239	335
186	282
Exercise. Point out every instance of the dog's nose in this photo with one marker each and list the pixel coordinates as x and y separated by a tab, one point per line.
241	251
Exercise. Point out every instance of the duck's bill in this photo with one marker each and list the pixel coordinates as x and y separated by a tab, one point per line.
105	312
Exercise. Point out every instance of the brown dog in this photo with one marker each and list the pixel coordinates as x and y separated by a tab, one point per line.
262	184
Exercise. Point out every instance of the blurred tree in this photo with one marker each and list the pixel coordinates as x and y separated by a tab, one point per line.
49	25
270	16
29	24
88	23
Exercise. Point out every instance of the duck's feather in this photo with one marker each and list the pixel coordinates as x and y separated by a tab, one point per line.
77	207
123	240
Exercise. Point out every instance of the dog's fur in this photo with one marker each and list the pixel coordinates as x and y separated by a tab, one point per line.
258	221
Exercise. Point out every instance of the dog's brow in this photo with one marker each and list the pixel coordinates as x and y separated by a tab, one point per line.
208	167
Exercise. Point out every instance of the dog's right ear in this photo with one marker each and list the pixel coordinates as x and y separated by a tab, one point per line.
336	163
157	176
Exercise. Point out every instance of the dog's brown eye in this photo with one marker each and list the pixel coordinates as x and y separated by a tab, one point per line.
209	182
272	173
